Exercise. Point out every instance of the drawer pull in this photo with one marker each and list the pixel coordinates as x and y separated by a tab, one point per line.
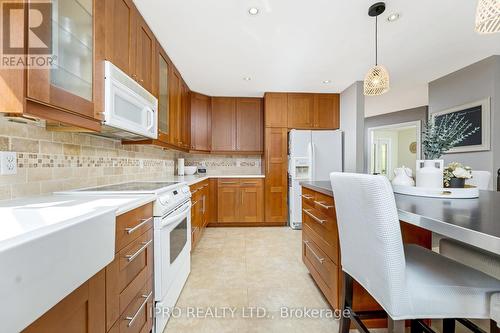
134	317
322	204
318	258
250	183
308	212
131	257
194	203
308	197
143	222
229	183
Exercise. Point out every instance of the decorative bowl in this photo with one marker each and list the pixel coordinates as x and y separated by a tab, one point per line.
190	170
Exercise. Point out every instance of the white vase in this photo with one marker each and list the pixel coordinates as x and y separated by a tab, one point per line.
430	173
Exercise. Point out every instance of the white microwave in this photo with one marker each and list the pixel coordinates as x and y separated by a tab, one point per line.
130	111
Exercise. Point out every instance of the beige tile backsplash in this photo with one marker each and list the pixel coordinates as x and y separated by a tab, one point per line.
54	161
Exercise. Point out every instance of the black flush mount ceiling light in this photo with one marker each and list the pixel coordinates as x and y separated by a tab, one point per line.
377	79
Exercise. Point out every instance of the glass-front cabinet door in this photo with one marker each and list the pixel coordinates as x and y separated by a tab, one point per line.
163	108
66	83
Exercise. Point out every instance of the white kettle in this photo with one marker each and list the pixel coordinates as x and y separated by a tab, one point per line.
403	176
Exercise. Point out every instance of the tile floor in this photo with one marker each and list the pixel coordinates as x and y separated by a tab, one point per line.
245	268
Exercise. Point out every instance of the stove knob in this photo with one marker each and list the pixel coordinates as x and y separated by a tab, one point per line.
165	199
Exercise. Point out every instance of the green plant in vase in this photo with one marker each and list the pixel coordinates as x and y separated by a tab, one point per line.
455	175
439	137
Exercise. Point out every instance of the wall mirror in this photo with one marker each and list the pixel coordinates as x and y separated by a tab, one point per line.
394	146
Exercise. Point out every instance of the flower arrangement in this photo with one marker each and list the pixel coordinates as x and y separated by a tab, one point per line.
455	175
440	136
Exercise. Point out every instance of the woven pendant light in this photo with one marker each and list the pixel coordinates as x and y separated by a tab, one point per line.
488	16
377	79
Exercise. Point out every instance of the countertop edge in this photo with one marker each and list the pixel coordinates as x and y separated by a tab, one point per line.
316	188
143	200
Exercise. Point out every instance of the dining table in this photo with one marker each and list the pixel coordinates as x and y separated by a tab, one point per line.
474	221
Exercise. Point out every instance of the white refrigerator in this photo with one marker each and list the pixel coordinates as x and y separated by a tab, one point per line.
312	155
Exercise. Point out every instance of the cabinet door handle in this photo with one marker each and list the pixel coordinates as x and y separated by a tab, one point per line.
322	204
136	314
131	257
143	222
308	197
311	215
318	258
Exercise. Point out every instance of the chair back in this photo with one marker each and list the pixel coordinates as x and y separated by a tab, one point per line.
481	179
371	245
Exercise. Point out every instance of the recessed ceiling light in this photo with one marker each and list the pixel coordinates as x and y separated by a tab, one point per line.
247	78
393	17
327	81
253	11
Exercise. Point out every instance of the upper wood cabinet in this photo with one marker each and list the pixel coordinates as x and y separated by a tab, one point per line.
67	91
223	124
300	110
162	92
237	124
145	44
120	33
175	95
200	122
326	111
249	125
275	108
130	44
185	118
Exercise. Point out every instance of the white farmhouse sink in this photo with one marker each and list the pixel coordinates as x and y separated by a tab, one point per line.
48	248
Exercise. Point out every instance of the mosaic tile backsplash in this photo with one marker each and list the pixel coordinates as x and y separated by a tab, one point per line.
54	161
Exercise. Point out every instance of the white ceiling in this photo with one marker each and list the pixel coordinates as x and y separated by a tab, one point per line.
293	45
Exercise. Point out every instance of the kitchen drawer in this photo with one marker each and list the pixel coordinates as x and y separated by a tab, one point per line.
228	182
126	275
324	271
132	224
325	230
253	182
137	317
308	196
325	205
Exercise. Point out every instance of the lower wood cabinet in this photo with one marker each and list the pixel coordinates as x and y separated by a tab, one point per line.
119	298
240	200
200	210
321	251
81	311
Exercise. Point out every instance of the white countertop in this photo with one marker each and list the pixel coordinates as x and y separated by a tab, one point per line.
193	179
27	218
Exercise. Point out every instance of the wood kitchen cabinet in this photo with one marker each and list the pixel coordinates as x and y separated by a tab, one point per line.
67	92
237	124
223	124
276	183
326	111
240	200
249	125
175	96
300	110
200	122
162	90
200	200
275	109
130	44
185	118
81	311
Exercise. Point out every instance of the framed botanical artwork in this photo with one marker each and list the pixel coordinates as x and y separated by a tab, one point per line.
478	114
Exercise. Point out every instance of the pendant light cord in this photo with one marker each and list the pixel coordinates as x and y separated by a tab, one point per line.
376	40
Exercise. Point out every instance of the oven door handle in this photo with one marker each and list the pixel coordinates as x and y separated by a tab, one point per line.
178	214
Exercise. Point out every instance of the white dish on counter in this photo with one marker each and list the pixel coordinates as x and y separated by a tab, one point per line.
448	193
190	170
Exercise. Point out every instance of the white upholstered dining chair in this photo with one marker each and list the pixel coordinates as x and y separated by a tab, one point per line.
481	179
408	281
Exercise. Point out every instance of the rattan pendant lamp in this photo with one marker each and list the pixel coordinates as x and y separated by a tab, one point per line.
377	79
488	16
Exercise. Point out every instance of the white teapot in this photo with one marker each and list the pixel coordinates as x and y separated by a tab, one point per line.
403	176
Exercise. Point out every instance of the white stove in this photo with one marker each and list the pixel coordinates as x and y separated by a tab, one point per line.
172	237
168	194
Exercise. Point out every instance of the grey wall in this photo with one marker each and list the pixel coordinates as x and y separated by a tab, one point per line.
414	114
352	114
475	82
